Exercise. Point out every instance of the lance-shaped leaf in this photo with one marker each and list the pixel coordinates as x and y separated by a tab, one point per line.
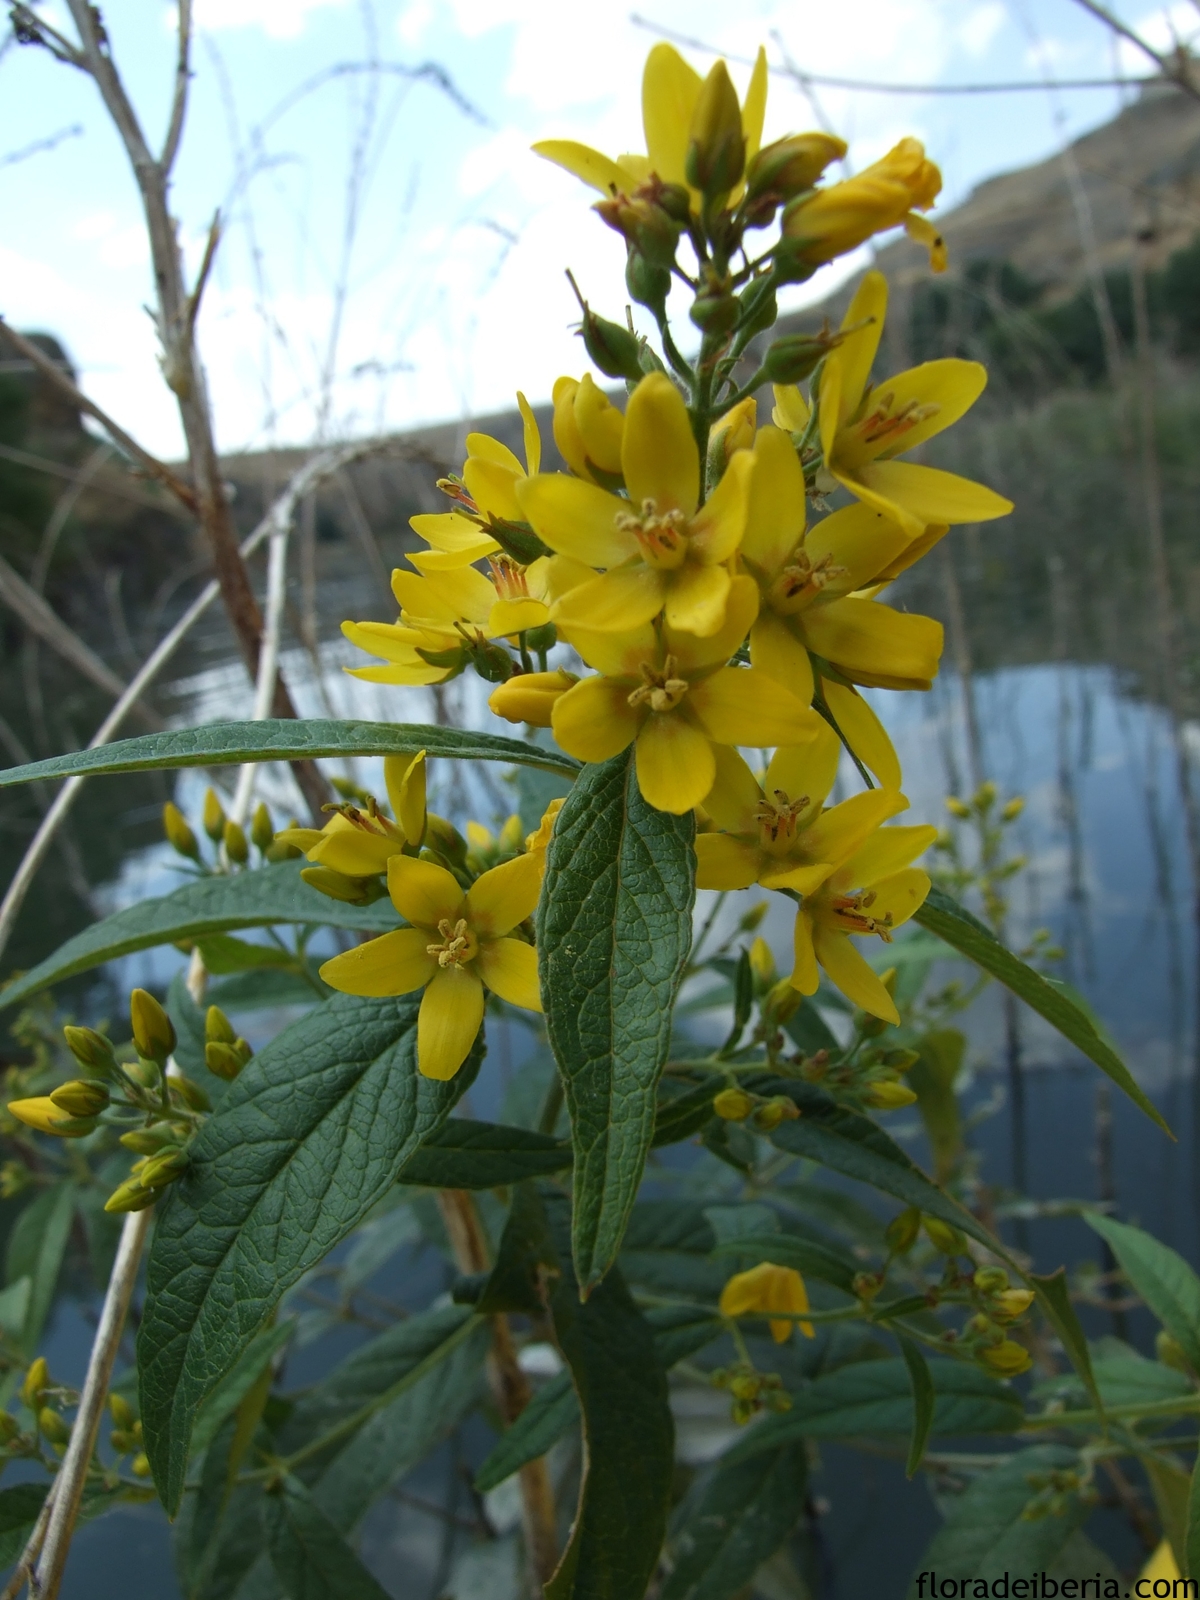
1161	1276
955	925
736	1519
313	1132
924	1401
35	1253
272	895
483	1155
1055	1300
287	739
311	1559
614	931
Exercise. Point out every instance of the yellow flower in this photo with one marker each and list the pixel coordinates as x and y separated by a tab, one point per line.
42	1113
483	495
406	651
671	92
873	893
864	428
675	696
768	1288
1162	1564
359	843
455	944
808	581
663	550
838	219
588	430
778	832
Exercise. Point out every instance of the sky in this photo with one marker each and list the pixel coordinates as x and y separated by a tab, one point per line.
392	252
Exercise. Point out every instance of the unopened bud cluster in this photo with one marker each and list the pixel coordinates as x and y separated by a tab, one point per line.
751	1391
230	840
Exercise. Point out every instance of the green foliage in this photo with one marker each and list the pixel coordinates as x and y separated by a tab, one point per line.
1161	1276
735	1519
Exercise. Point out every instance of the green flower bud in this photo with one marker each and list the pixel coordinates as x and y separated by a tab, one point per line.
226	1060
179	836
901	1232
92	1050
716	152
615	350
121	1411
944	1237
163	1169
733	1105
353	891
237	847
886	1094
80	1098
647	228
991	1280
715	309
149	1141
445	838
542	639
1170	1352
129	1196
140	1465
37	1380
190	1092
213	816
53	1426
262	829
797	355
788	167
153	1032
144	1073
647	283
217	1027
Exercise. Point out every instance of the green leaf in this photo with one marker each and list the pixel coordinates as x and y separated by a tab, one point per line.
734	1521
1055	1300
1161	1276
614	931
203	906
314	1131
924	1401
19	1508
14	1307
224	955
237	1383
483	1155
932	1078
286	739
875	1397
629	1436
682	1111
807	1028
987	1536
543	1422
36	1248
857	1147
1192	1567
311	1559
954	924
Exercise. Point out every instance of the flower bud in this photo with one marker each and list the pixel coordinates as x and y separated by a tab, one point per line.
179	836
797	355
735	431
776	1110
991	1280
901	1232
957	808
37	1380
832	221
217	1027
337	886
750	920
1170	1352
406	779
733	1105
781	1002
531	696
716	152
190	1092
80	1098
647	283
782	170
984	797
140	1465
617	351
213	816
121	1411
715	309
491	661
866	1285
153	1032
445	838
9	1427
149	1141
53	1426
1008	1358
92	1051
949	1240
1012	809
901	1060
762	962
1011	1304
226	1060
649	230
237	847
41	1113
145	1073
588	430
542	639
262	829
163	1169
129	1196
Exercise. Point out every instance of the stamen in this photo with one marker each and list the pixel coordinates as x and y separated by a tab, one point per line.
659	688
661	535
852	909
883	423
777	816
457	944
800	579
509	577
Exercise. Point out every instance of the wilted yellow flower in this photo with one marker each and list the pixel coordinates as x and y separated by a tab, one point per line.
838	219
665	552
768	1288
455	944
864	428
675	696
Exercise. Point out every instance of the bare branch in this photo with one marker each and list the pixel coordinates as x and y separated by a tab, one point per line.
210	252
183	74
1175	67
39	146
29	28
124	442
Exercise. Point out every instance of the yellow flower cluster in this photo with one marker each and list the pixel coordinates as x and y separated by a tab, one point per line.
689	558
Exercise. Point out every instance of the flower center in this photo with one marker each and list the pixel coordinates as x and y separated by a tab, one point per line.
371	821
509	577
777	817
852	910
660	689
458	943
802	580
662	535
881	426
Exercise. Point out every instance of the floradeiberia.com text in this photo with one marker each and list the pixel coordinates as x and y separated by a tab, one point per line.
1040	1586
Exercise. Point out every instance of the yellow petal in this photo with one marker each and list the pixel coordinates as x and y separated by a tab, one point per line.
405	780
742	706
830	408
805	975
808	769
698	653
617	601
40	1112
482	447
422	892
594	720
576	518
449	1018
860	539
864	732
776	650
428	562
659	455
917	495
600	425
901	895
505	895
804	878
675	765
716	529
911	552
394	643
950	387
492	486
355	852
508	617
669	92
723	862
616	655
883	854
735	794
872	644
533	437
463	595
449	531
840	832
420	673
597	170
754	107
775	505
509	967
850	972
791	411
856	356
395	963
695	598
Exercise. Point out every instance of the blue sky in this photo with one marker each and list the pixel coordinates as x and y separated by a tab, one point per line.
454	294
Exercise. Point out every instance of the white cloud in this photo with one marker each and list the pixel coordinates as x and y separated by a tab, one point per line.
980	26
1162	29
278	19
